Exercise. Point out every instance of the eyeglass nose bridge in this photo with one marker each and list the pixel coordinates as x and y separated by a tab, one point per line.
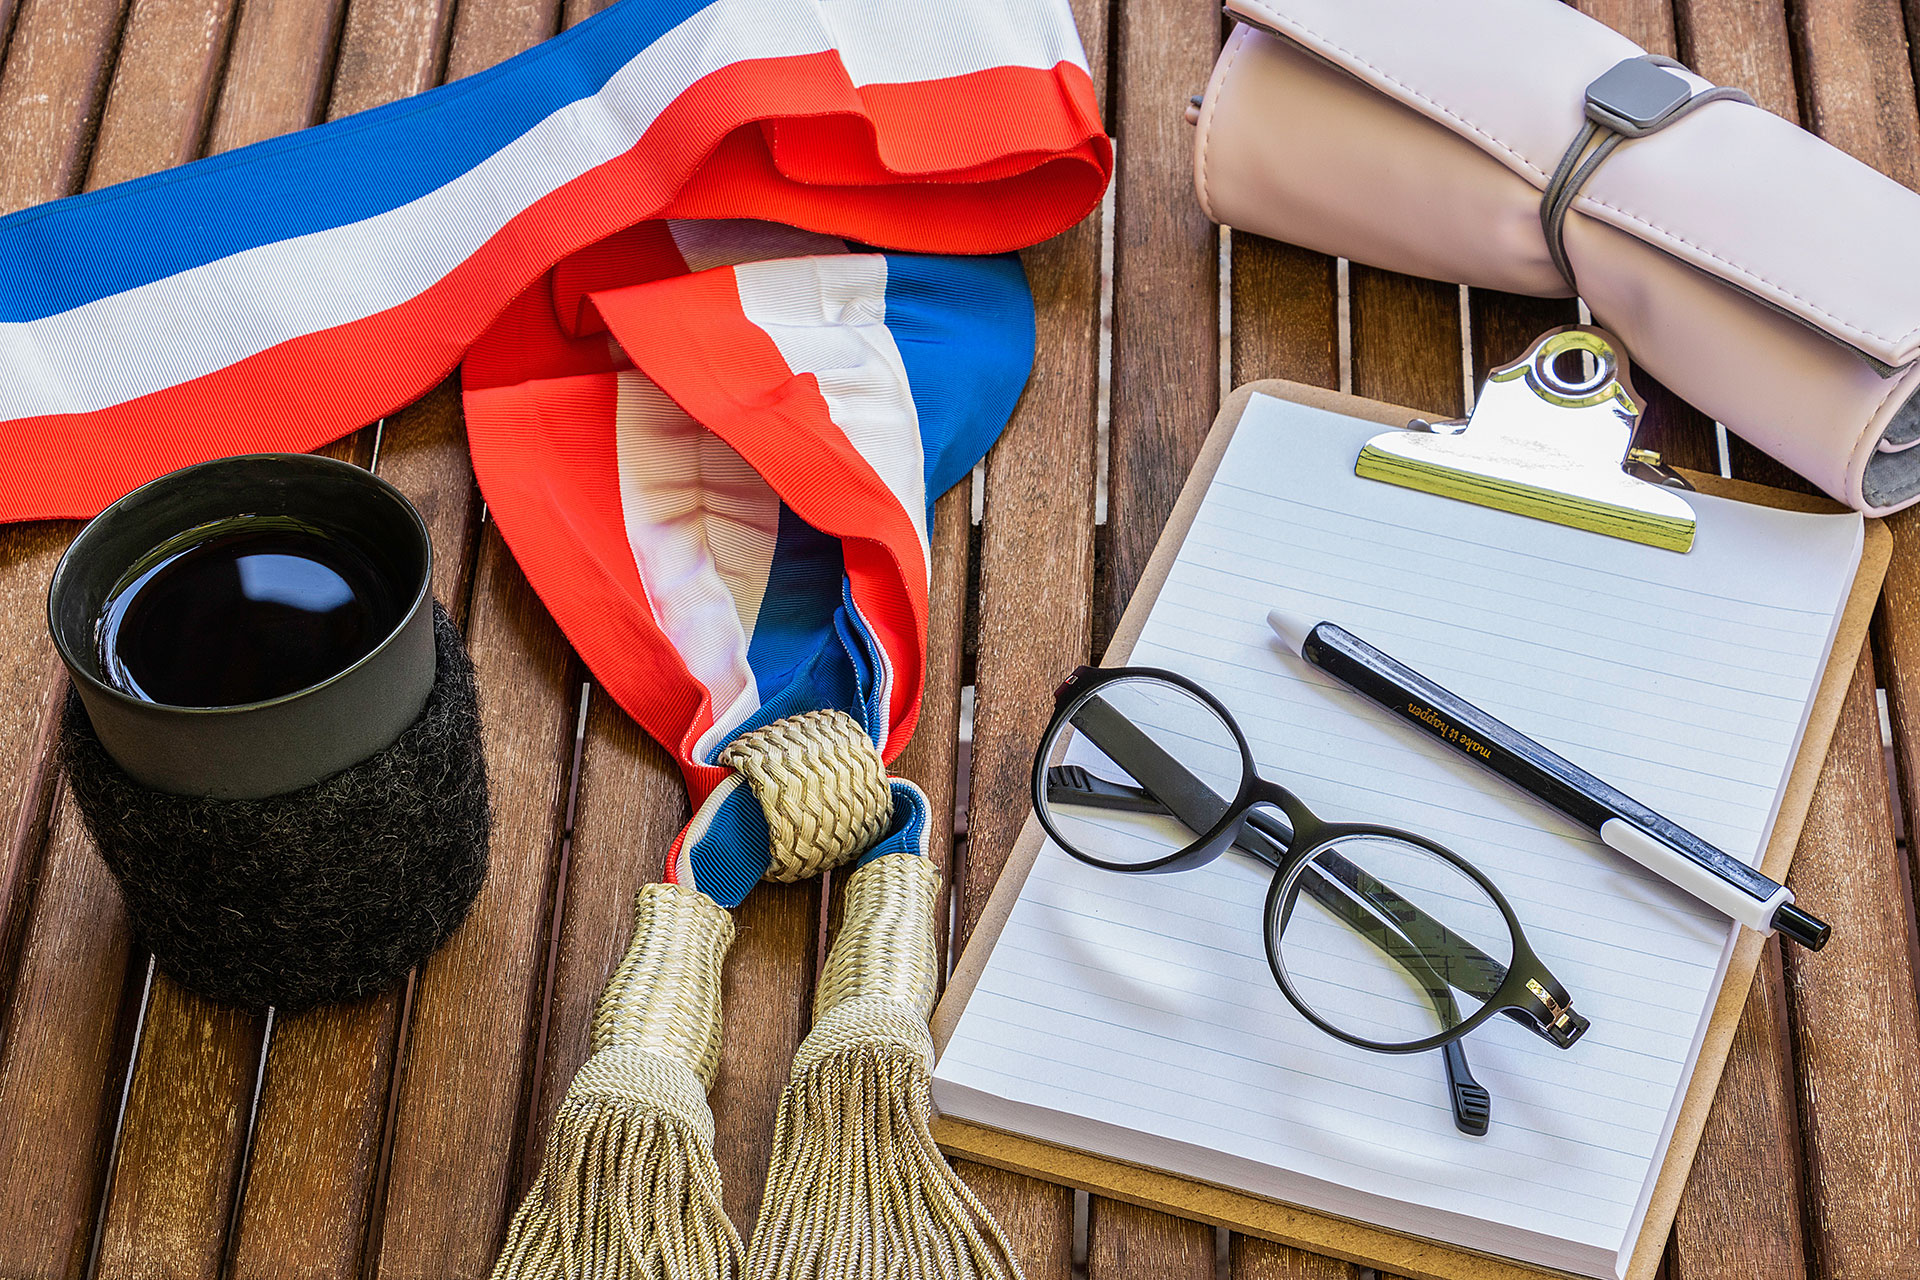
1304	825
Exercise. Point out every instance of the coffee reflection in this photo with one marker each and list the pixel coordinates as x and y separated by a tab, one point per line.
241	611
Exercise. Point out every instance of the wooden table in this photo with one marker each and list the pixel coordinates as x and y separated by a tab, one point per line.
145	1132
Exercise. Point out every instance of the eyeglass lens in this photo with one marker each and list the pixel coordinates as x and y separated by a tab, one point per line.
1143	769
1386	940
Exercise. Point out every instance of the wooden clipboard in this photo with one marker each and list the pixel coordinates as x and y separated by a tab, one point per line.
1309	1229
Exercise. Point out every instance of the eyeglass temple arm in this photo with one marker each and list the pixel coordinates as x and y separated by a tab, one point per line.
1470	969
1267	838
1198	806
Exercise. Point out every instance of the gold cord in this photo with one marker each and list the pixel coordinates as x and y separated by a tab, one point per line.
856	1186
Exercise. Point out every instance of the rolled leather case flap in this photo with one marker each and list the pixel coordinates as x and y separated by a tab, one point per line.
1417	135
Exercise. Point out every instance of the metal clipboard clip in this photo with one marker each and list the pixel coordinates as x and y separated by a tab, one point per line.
1545	443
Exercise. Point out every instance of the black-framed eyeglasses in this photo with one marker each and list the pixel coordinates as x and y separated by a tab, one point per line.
1378	936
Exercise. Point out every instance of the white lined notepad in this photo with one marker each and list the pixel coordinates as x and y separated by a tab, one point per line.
1134	1017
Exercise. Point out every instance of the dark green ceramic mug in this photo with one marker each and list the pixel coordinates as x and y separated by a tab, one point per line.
248	626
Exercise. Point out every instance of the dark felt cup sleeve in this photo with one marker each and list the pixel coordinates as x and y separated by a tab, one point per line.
326	893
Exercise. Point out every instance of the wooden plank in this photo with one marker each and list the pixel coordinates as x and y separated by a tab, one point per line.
7	9
1036	1216
1855	1027
461	1101
630	804
1740	1216
1166	295
580	10
51	90
1744	43
316	1141
1406	340
389	49
484	34
1286	313
1033	621
1862	99
1250	1258
1852	1005
278	70
1857	85
180	1148
1648	23
1128	1242
1033	624
157	111
1504	325
329	1071
931	758
31	687
768	998
63	1061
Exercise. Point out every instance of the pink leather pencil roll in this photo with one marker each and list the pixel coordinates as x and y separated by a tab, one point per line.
1763	275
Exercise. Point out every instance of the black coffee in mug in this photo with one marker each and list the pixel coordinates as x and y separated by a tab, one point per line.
244	610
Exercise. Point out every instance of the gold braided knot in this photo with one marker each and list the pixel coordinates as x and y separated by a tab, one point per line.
822	786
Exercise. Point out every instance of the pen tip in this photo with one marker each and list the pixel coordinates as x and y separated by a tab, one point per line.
1290	627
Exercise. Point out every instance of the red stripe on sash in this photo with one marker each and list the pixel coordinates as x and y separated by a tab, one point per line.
703	156
692	337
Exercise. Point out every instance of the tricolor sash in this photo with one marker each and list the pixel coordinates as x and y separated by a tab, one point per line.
281	295
713	382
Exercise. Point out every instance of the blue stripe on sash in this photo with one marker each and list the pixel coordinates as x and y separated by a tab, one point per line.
58	256
964	327
796	612
732	854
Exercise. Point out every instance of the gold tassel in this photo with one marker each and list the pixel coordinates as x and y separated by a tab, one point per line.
628	1186
856	1186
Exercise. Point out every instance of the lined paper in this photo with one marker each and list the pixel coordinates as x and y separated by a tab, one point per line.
1135	1016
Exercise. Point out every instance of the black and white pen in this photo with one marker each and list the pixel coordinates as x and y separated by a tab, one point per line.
1675	854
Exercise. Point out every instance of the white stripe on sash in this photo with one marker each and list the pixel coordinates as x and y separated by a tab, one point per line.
203	319
702	525
828	318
